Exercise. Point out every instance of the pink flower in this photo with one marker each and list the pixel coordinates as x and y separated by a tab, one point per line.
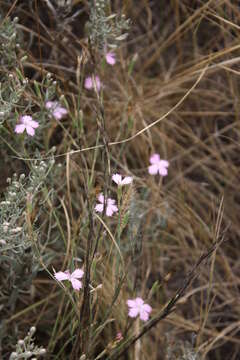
119	336
110	58
66	275
56	109
158	166
89	82
117	178
137	307
26	122
110	207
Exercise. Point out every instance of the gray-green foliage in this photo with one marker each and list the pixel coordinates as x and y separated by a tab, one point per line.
20	192
104	28
20	245
10	89
181	350
26	348
8	43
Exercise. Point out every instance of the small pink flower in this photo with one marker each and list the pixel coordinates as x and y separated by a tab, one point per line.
56	109
158	166
117	178
89	82
137	307
26	122
119	336
66	275
110	58
110	207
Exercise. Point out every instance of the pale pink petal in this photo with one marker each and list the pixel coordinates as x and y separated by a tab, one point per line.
77	274
139	301
50	104
133	312
114	208
117	178
164	163
111	209
119	336
147	308
144	315
155	158
59	113
153	169
88	83
162	170
34	124
30	130
60	275
101	198
63	111
99	207
111	58
131	303
19	129
25	119
127	180
76	284
110	201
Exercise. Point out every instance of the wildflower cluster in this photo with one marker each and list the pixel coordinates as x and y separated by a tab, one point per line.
27	123
136	306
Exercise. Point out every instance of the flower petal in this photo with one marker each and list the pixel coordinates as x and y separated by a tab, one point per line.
131	303
164	163
155	158
19	129
139	301
147	308
163	171
60	275
88	83
133	312
144	315
50	104
111	209
77	274
25	119
127	180
101	198
30	130
117	178
59	113
99	207
111	58
110	201
153	169
76	284
34	124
